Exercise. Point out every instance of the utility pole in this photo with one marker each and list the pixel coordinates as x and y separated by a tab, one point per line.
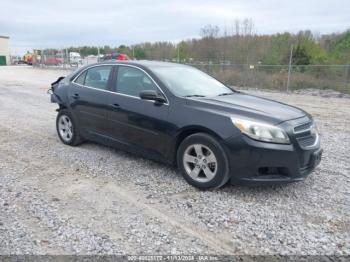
290	67
67	57
178	54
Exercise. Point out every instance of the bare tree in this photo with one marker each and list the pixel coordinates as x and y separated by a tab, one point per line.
209	31
237	23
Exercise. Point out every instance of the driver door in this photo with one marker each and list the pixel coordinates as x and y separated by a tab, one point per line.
140	124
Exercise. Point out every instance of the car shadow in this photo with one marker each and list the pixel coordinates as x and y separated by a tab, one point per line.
228	188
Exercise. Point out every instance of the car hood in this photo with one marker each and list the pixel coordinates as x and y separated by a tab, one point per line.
249	106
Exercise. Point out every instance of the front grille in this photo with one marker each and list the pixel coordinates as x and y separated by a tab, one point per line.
305	134
306	141
303	127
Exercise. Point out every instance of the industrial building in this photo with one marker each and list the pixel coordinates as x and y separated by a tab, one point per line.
4	50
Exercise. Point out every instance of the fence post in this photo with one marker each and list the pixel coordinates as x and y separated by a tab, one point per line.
178	53
245	71
290	67
98	54
347	79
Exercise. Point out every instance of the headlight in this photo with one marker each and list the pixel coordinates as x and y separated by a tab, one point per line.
261	131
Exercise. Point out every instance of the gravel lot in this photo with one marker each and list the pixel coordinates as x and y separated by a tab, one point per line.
91	199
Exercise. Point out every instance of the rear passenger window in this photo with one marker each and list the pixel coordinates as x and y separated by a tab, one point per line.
98	76
81	79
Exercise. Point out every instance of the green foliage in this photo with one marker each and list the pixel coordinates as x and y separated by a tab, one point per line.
300	56
340	51
279	50
310	48
183	51
317	54
139	53
240	47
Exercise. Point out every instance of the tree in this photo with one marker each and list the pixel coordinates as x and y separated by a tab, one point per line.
340	51
209	31
139	53
208	47
182	49
278	49
241	45
311	46
300	56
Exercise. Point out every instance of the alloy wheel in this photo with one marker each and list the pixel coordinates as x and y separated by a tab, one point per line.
200	163
65	128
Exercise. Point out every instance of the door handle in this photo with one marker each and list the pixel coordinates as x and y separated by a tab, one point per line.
75	96
115	106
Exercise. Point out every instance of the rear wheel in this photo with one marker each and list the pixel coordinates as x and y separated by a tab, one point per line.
202	161
66	128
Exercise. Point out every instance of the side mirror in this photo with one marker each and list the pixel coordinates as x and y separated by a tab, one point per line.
152	95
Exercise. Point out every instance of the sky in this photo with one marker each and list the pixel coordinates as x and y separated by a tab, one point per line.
64	23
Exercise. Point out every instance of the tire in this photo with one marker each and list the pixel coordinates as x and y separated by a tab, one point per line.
69	136
202	161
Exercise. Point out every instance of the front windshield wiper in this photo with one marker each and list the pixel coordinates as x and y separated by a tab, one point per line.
226	94
194	96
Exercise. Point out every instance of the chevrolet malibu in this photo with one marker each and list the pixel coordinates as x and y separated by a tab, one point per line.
178	115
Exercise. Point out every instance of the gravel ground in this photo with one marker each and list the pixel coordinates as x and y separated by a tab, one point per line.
91	199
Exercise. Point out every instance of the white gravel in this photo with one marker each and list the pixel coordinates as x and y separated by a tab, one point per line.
91	199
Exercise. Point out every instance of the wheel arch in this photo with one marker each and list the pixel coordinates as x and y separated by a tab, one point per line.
187	131
61	107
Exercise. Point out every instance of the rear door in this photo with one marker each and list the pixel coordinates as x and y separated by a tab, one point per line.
138	123
88	96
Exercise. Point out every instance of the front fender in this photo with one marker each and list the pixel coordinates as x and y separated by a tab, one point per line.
55	98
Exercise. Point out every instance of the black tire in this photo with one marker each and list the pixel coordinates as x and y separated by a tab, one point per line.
209	142
75	139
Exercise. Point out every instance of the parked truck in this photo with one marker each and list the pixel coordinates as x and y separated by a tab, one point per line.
75	59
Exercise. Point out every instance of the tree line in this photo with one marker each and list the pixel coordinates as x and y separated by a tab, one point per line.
240	44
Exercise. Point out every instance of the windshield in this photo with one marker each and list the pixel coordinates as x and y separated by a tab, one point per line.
188	81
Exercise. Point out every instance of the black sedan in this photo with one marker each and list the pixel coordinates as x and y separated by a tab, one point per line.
179	115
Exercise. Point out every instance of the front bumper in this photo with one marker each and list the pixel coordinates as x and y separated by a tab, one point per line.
258	163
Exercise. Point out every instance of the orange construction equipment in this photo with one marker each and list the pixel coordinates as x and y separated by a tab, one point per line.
28	58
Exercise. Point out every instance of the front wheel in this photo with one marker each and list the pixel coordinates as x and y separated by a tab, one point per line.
202	161
66	129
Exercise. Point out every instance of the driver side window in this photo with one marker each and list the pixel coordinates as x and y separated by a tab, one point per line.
131	81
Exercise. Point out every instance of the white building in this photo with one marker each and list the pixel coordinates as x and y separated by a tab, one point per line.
4	50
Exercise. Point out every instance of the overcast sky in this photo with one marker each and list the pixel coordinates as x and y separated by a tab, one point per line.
60	23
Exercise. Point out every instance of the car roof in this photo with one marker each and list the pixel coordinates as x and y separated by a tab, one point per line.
142	63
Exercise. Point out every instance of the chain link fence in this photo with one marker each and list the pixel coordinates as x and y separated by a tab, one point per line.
335	77
61	58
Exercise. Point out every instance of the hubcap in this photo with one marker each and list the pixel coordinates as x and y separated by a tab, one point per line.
65	128
200	163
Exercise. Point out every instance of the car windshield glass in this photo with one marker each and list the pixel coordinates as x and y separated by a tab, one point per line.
187	81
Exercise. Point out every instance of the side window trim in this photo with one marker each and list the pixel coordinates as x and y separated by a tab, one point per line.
115	80
83	73
109	81
78	75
